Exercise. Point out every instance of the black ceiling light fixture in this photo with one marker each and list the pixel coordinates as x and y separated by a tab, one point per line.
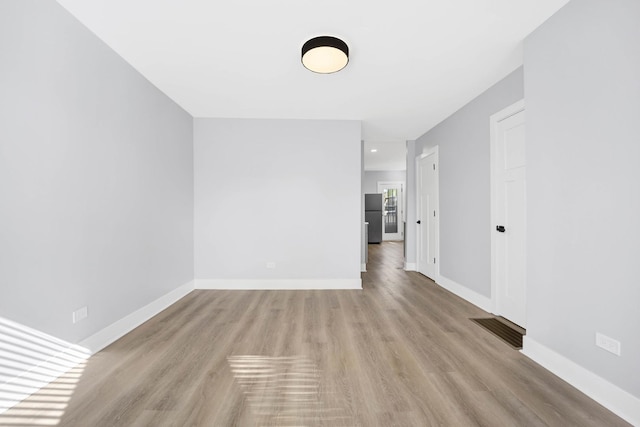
325	54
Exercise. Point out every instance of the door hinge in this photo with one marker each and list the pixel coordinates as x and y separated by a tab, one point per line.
434	260
434	166
434	213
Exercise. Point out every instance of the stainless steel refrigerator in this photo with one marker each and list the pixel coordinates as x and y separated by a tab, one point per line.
373	215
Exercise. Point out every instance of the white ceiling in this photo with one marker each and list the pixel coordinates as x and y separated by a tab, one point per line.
389	156
412	62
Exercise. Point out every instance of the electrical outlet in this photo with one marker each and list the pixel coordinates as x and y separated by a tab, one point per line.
609	344
271	265
79	314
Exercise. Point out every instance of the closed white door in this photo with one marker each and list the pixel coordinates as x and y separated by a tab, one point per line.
509	216
392	210
428	215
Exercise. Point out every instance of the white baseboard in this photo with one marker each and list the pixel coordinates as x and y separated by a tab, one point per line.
111	333
30	360
363	268
618	401
51	357
285	284
410	266
465	293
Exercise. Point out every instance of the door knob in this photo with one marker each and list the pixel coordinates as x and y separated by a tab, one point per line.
500	228
418	222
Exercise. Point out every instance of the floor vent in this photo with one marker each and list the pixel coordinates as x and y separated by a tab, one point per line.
508	332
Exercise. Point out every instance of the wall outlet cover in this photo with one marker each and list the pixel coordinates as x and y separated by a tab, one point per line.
79	314
608	343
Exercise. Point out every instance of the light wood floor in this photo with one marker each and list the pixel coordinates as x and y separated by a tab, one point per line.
401	352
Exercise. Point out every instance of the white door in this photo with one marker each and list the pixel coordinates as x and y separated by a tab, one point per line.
509	214
428	214
392	210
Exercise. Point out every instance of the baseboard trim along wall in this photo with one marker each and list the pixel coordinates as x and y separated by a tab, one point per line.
363	268
275	284
111	333
41	358
51	357
465	293
618	401
410	266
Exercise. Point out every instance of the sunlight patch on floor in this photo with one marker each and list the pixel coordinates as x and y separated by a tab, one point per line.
40	368
286	391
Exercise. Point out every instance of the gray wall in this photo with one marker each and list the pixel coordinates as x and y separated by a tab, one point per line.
465	194
96	178
582	91
371	179
283	191
411	213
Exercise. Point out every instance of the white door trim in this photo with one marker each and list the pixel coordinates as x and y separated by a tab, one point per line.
425	153
494	121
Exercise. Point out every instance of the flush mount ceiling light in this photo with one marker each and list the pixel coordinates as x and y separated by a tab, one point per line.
325	54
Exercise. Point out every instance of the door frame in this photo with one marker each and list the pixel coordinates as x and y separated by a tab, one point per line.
494	121
426	153
401	205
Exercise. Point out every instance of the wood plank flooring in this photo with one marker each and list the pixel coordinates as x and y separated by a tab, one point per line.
401	352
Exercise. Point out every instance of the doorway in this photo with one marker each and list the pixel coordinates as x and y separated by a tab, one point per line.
392	210
428	213
508	213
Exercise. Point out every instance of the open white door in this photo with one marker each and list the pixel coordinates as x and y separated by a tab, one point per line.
508	201
428	214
